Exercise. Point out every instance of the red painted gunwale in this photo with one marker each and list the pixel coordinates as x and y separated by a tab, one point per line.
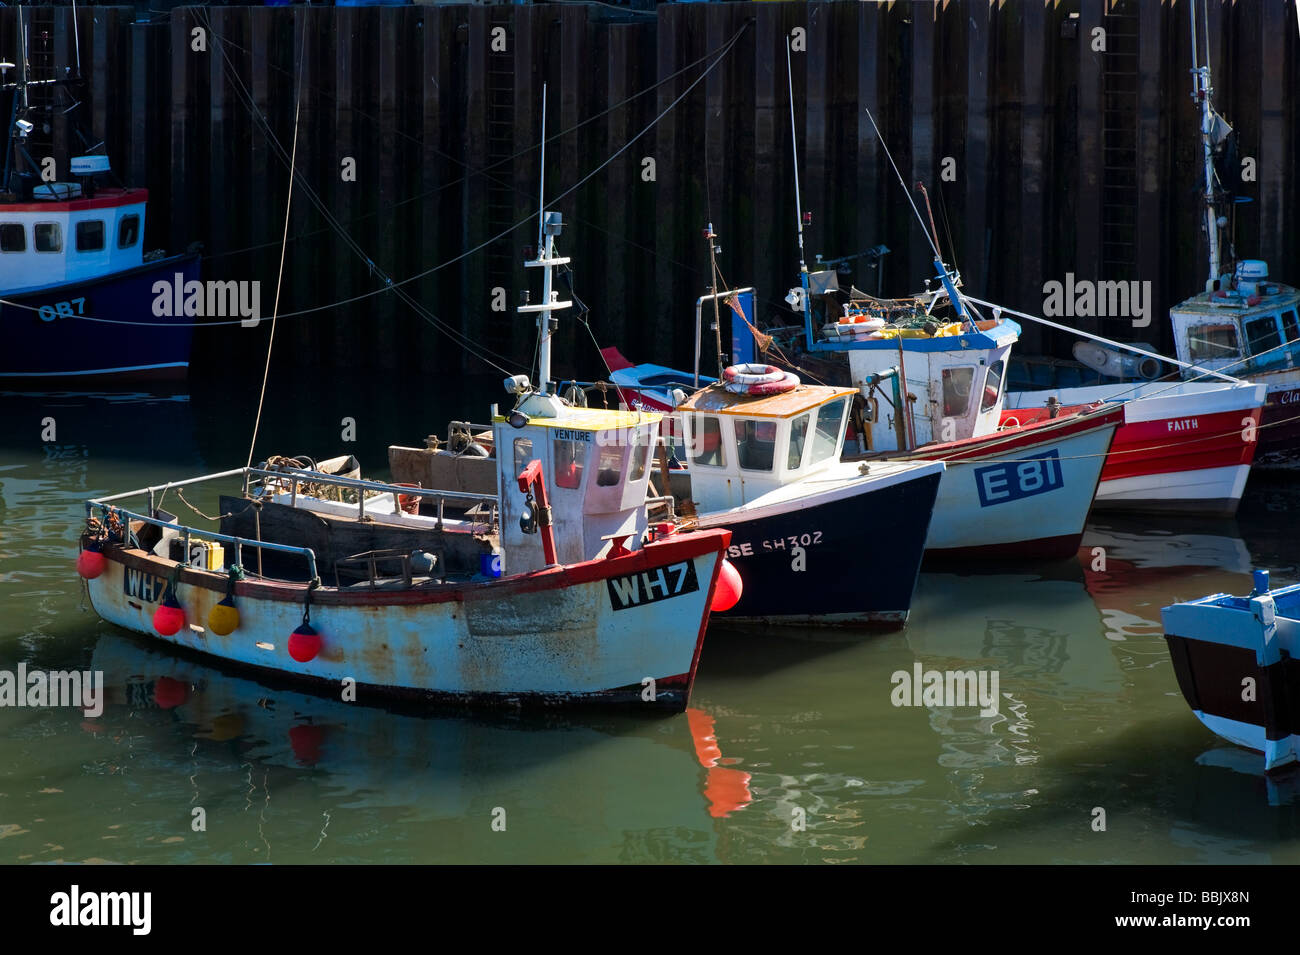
1145	448
674	549
1070	422
104	199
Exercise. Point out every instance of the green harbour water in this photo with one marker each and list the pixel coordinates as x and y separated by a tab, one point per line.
792	752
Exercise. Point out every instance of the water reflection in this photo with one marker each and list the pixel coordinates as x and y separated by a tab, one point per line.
270	762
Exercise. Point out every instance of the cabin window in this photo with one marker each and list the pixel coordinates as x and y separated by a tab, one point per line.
830	425
640	456
1290	326
755	444
90	235
798	437
128	231
706	442
49	237
609	469
993	385
1262	336
956	391
570	456
13	237
1210	342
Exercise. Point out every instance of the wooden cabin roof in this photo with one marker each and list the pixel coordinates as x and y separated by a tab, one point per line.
716	399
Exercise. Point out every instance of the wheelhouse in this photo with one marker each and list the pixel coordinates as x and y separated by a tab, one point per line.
54	240
740	447
1242	331
597	466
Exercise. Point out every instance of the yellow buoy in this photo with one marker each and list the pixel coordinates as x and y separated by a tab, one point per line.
224	618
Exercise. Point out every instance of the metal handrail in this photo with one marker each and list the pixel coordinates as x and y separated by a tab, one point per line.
314	477
238	542
317	477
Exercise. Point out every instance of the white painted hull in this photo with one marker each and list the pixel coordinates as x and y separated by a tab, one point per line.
977	512
556	642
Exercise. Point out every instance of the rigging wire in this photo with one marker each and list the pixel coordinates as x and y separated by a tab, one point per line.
279	279
394	285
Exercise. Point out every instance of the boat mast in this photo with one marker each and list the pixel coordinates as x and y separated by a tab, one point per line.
709	236
549	225
794	154
1202	91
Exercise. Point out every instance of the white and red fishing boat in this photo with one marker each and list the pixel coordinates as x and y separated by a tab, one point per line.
78	288
570	602
1183	447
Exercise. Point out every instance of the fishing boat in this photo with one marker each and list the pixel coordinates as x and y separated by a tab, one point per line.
767	467
1008	492
1234	660
77	288
567	599
1242	326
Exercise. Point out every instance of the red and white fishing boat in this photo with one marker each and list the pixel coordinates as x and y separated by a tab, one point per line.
570	602
1189	446
1183	447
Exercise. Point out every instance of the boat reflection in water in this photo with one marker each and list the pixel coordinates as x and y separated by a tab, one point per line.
1132	570
259	757
1042	637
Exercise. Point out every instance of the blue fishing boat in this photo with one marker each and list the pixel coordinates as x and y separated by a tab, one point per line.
78	291
1235	659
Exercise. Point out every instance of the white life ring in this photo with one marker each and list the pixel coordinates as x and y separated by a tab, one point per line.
787	382
752	374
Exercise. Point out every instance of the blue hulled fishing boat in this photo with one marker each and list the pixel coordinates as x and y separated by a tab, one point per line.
78	292
1235	658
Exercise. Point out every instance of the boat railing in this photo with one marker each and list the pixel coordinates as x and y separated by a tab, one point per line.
188	532
297	476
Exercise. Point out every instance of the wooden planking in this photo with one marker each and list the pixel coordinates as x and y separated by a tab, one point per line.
1087	260
1016	102
1151	93
976	168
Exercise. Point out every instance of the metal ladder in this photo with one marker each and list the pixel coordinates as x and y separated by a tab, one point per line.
1119	124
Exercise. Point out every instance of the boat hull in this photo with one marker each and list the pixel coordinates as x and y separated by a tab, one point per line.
1029	499
47	346
604	631
801	561
1235	660
1181	449
1279	433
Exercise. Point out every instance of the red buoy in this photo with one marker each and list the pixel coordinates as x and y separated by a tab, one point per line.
169	617
90	563
727	594
169	692
304	643
306	740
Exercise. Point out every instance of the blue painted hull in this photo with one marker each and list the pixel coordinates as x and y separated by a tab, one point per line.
45	343
842	584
